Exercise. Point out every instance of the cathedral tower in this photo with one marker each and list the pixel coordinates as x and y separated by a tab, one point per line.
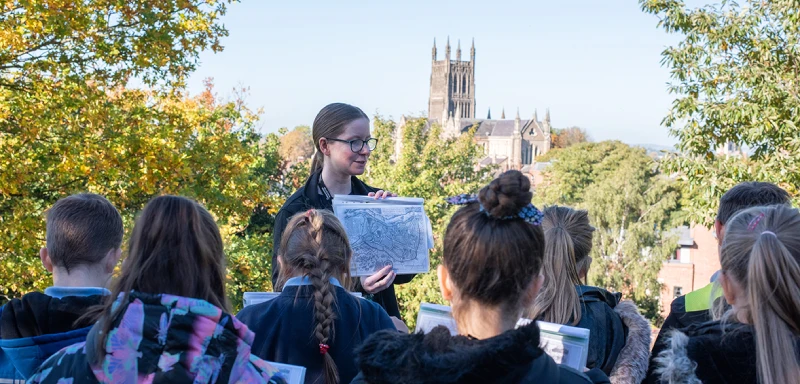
452	85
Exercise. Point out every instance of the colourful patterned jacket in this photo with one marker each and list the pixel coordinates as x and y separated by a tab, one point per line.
163	339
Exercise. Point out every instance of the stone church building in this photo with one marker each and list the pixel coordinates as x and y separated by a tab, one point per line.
510	143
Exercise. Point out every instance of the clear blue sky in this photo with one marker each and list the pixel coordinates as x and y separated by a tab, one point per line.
595	64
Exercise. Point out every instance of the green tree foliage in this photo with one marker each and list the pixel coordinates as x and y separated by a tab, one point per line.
433	168
632	206
735	77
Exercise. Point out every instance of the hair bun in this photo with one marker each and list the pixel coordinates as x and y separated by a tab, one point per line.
506	195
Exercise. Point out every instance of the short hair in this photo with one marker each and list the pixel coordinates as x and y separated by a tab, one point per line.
750	194
81	230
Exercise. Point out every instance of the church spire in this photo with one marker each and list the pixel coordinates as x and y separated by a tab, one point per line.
434	49
458	51
472	50
503	114
489	115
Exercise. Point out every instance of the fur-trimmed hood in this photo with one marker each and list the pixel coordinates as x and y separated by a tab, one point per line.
631	365
708	353
438	357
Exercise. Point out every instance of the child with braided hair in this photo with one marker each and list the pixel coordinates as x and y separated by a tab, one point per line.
315	322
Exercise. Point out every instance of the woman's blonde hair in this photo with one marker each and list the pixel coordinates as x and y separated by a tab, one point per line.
568	241
761	252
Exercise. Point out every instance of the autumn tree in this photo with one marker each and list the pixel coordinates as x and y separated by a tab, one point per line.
735	78
297	144
431	167
633	207
564	137
68	123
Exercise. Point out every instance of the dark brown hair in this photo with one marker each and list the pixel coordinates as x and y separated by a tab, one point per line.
330	122
747	195
568	237
493	260
175	248
315	244
81	230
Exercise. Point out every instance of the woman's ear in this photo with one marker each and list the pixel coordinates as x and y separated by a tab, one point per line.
445	284
323	146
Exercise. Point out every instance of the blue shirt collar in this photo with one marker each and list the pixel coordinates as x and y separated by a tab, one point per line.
61	292
304	280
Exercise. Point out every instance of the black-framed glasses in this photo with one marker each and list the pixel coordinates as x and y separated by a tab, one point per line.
356	145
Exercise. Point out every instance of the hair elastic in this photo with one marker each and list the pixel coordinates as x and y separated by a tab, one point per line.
528	213
323	348
768	232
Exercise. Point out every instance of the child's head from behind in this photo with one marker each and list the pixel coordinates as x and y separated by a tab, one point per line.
175	248
84	231
568	237
315	245
492	257
760	259
745	195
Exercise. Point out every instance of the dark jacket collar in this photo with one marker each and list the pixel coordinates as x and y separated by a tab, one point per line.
37	314
438	357
589	294
311	193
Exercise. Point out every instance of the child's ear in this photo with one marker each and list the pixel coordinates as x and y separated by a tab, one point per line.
112	258
445	284
533	290
45	257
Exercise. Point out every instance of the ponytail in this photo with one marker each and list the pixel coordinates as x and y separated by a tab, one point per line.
568	241
558	301
316	163
315	244
761	252
773	294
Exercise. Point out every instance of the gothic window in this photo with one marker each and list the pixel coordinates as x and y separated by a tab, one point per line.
464	84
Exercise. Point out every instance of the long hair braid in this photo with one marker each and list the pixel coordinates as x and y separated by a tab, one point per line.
315	245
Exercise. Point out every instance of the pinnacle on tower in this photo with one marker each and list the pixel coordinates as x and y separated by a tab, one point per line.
517	118
434	49
472	51
489	115
535	117
547	115
503	114
458	51
447	49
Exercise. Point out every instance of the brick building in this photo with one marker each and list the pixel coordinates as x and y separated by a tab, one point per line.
691	266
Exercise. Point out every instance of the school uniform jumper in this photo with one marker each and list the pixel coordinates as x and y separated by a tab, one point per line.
284	328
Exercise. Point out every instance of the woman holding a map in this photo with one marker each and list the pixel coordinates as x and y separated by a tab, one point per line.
343	145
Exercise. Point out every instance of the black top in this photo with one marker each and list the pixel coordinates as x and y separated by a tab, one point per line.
308	197
607	332
711	352
678	319
284	329
437	357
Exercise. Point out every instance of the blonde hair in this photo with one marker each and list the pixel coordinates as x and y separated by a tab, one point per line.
316	245
761	251
568	241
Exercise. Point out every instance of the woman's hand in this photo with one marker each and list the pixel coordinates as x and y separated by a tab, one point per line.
399	324
379	280
381	194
